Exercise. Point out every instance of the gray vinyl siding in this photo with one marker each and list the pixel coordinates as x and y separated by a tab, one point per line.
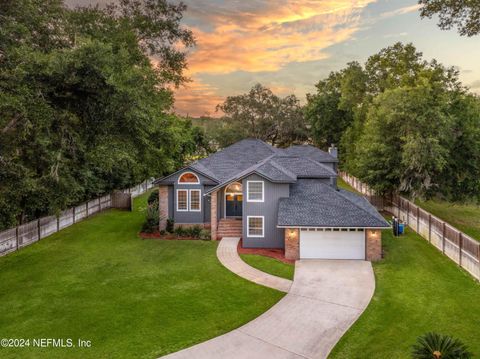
189	217
273	236
207	206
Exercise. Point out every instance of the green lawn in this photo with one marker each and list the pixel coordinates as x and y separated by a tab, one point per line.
344	185
132	298
417	290
465	217
270	265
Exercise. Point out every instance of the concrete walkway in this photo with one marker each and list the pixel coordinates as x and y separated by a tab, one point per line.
228	255
326	298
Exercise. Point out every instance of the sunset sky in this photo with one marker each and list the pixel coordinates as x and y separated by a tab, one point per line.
288	45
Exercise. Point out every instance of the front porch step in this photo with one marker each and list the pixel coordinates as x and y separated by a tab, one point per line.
229	227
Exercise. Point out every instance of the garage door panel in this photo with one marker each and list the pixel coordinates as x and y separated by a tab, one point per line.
332	245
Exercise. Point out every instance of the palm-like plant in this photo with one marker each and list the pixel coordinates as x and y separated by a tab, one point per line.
438	346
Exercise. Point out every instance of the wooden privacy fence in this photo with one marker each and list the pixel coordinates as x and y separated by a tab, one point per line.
31	232
458	246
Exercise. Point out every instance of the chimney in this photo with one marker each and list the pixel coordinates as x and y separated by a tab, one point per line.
333	151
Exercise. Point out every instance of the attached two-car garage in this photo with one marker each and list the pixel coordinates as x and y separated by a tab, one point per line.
332	243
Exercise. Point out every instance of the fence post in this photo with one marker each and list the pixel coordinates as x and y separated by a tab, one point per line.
38	228
99	205
443	237
418	220
73	214
58	222
16	236
86	209
460	245
429	227
408	213
478	259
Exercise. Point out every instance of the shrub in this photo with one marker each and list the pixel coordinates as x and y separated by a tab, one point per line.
170	225
162	232
438	346
153	197
179	231
151	223
195	231
204	235
187	232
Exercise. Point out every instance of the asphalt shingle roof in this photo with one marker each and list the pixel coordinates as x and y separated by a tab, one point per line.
284	165
310	152
316	204
275	172
236	158
304	167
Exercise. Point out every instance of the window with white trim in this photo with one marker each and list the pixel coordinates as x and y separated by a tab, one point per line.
182	200
195	201
255	226
255	191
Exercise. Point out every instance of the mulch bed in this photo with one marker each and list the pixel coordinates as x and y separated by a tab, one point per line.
267	252
168	237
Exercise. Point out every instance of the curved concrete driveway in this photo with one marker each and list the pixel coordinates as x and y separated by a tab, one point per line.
326	298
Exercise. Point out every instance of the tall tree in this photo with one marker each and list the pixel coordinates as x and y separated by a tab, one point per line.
336	112
461	178
404	124
462	14
261	114
83	110
402	147
327	119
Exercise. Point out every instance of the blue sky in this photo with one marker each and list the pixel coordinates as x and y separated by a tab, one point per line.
289	45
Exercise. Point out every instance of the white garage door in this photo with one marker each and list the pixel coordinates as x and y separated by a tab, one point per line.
332	244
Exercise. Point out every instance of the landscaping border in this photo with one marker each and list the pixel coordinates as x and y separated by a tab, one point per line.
25	234
456	245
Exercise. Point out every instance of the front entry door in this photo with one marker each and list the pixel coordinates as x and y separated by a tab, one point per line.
233	205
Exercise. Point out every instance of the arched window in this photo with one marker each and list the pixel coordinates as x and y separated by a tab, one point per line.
189	178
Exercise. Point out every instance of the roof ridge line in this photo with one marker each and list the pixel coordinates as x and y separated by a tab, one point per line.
322	165
269	146
240	174
281	168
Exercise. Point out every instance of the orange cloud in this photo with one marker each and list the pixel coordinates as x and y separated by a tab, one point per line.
265	37
293	32
197	99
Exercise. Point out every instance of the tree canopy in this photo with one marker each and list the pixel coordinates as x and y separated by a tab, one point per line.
83	108
462	14
403	124
260	114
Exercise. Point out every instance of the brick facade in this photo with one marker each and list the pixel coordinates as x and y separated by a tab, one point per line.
213	216
292	243
373	241
163	206
190	225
